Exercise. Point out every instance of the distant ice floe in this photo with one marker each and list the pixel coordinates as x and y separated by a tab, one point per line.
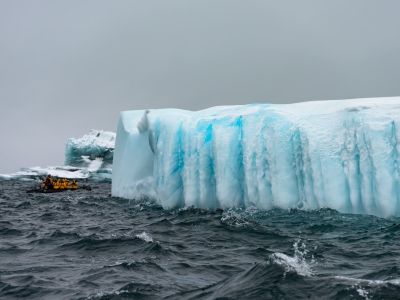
35	172
90	156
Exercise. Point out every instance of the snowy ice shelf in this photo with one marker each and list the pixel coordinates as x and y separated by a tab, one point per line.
342	154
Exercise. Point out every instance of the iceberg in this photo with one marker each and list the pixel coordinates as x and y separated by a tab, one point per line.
88	157
97	144
93	151
341	154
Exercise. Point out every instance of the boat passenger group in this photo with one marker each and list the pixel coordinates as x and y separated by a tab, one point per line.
50	183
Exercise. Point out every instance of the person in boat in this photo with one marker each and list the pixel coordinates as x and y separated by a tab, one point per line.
62	184
74	184
57	184
48	182
65	183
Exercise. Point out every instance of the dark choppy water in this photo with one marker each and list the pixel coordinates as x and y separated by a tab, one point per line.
88	245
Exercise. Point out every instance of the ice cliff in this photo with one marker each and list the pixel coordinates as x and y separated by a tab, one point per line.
342	154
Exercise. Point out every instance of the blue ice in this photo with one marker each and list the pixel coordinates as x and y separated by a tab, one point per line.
341	154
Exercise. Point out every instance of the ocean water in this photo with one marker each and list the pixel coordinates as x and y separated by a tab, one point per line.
89	245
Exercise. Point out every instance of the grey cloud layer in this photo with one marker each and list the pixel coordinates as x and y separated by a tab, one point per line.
69	66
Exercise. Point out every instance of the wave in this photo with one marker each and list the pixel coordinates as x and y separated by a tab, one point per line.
144	265
145	237
297	263
129	291
97	243
24	286
370	282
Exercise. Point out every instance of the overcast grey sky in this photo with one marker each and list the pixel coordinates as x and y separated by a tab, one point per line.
69	66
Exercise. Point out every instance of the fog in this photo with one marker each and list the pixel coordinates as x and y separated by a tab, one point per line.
69	66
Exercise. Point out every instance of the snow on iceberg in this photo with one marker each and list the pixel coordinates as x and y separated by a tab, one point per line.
92	154
342	154
95	146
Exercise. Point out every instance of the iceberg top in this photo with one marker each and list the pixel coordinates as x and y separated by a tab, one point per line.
97	144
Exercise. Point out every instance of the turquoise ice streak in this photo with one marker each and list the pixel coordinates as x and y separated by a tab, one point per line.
340	154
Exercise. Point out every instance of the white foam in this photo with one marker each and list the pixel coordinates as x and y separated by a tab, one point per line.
296	263
145	237
370	282
363	293
95	164
235	218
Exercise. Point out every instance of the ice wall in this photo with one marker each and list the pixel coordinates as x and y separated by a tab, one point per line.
339	154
